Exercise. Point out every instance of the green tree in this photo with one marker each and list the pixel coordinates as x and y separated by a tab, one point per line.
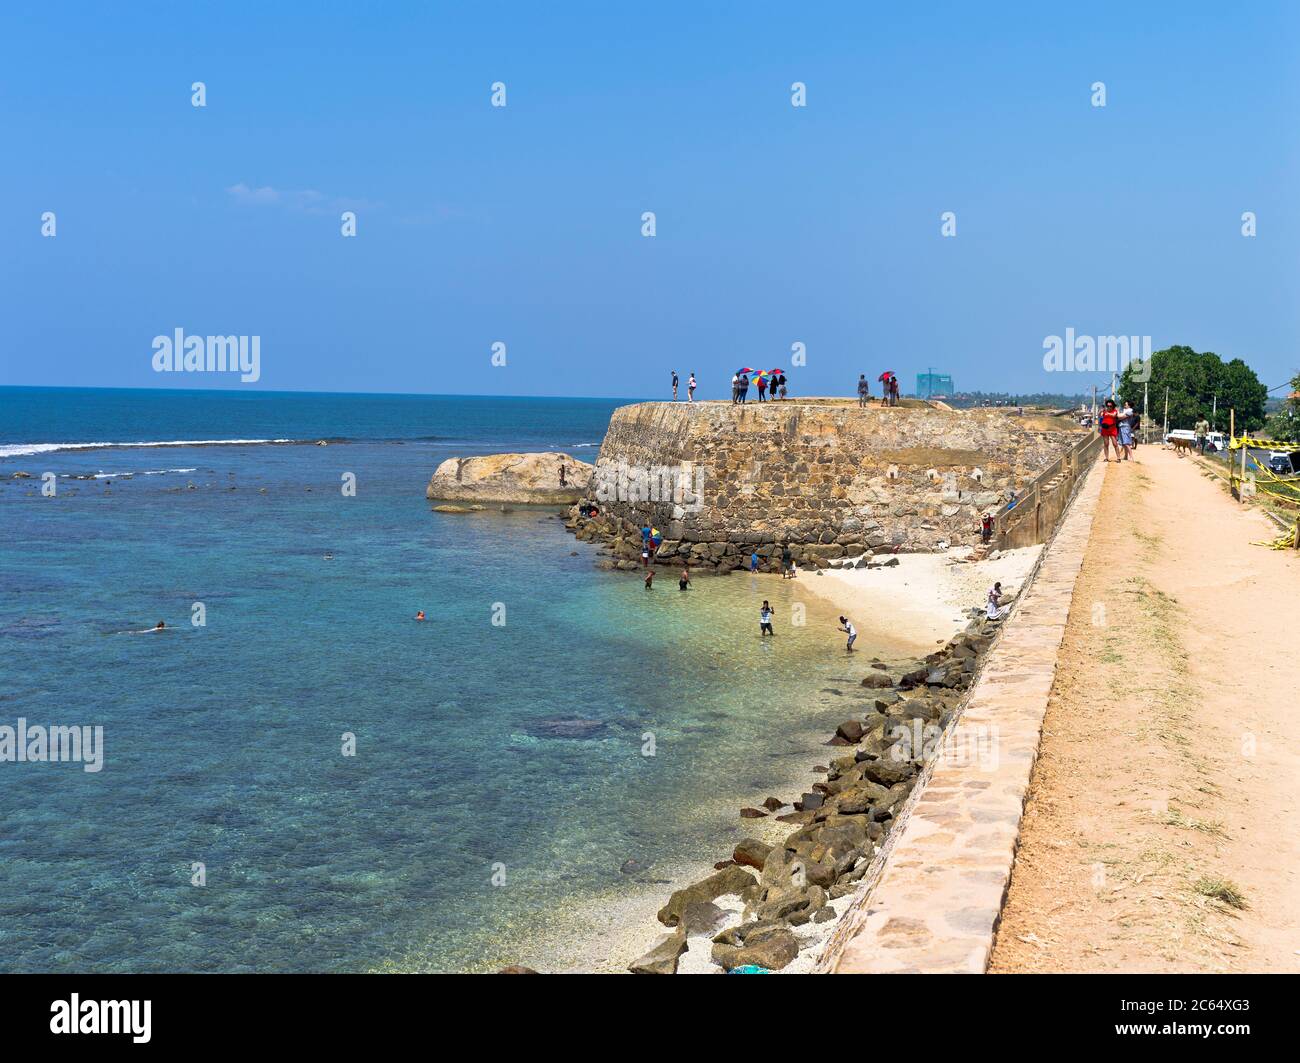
1285	424
1194	379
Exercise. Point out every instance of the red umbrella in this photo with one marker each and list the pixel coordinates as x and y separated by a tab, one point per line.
776	371
885	375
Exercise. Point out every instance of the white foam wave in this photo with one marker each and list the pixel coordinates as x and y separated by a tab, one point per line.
126	475
15	450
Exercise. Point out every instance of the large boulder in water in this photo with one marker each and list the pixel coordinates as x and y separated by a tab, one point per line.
565	727
511	478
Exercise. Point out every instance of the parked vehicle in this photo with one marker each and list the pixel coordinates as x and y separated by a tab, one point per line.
1284	462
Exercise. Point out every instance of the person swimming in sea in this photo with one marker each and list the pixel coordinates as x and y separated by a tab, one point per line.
765	620
419	615
649	579
160	626
684	581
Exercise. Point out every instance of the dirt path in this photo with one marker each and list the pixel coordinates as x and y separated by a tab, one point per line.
1168	782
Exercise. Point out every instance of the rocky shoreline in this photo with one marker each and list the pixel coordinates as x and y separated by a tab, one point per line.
622	538
766	904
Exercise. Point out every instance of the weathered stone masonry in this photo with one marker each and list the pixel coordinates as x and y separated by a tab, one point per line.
828	478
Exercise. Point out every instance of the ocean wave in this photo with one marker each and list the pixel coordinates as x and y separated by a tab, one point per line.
126	475
16	450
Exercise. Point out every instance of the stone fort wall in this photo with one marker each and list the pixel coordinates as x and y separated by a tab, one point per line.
825	476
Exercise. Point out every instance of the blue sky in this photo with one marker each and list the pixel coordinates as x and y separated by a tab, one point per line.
522	224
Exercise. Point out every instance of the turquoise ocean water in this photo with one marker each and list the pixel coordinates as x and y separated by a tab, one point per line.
461	835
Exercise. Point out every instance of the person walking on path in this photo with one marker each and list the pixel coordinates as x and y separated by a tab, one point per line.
1108	429
1126	431
864	389
781	379
846	625
690	388
1202	431
762	387
765	620
674	385
735	388
744	388
893	391
986	527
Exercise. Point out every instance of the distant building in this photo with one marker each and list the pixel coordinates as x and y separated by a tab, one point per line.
934	386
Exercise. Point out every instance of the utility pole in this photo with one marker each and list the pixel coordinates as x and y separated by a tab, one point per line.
1146	414
1214	411
1166	410
1094	404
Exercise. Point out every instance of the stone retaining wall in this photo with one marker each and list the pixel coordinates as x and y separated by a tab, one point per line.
933	902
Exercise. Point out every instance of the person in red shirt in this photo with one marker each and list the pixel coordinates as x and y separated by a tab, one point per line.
1108	429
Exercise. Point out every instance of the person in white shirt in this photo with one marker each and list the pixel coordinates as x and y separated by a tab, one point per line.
994	611
846	625
690	388
765	619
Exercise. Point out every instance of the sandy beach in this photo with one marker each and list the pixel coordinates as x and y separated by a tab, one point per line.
926	598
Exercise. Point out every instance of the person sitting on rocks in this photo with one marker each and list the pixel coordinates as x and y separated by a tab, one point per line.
994	609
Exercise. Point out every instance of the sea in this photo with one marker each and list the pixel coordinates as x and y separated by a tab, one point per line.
298	776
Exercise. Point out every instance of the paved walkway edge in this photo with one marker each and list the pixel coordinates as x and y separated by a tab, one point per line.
933	902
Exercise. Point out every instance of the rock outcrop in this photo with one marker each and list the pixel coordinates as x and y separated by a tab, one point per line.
518	478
